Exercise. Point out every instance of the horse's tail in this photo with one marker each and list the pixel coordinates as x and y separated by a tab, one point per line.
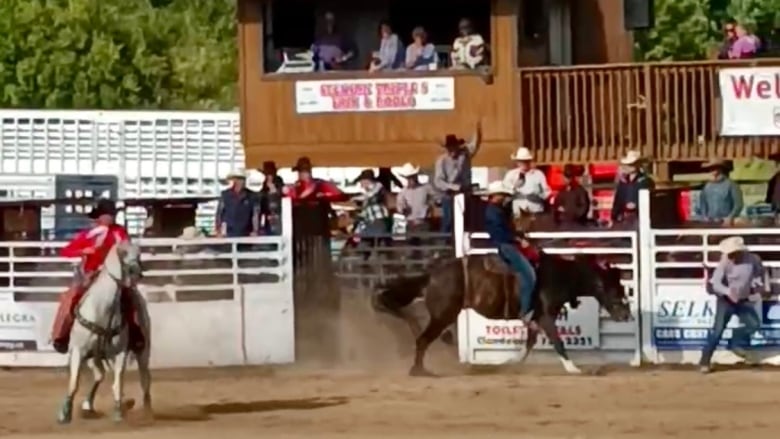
400	292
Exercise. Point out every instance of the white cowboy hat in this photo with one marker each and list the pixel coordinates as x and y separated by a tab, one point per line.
190	233
408	170
498	187
522	154
732	245
631	158
237	173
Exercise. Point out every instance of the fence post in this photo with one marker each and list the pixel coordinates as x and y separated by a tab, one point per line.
649	88
646	284
459	225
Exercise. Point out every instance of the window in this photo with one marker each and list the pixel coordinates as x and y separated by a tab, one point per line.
296	37
532	33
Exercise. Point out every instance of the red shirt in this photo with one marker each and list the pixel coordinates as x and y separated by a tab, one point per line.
101	238
323	190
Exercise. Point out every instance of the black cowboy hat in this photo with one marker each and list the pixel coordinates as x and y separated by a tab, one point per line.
269	167
451	141
571	170
302	164
366	174
103	206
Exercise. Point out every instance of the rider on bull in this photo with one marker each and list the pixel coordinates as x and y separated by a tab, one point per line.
92	246
513	249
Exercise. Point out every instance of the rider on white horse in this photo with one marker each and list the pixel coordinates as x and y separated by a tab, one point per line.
93	245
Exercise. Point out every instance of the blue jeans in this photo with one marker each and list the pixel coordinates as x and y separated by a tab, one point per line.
447	203
740	337
520	265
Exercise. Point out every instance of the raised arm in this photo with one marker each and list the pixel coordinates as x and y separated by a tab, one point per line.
476	140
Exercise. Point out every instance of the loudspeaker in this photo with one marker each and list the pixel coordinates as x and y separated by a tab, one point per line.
638	14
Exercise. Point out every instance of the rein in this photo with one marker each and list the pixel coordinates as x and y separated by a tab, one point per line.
94	327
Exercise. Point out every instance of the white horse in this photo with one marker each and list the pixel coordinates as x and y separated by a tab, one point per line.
100	336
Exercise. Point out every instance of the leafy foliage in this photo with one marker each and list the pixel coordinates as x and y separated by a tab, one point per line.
111	54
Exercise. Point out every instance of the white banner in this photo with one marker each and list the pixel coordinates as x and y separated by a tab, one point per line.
750	101
21	328
368	95
502	341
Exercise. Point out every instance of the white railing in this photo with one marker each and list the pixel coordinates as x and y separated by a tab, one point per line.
665	279
220	293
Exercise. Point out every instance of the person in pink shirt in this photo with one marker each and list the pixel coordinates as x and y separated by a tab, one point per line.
745	46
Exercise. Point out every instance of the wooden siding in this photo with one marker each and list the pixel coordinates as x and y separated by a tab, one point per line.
271	128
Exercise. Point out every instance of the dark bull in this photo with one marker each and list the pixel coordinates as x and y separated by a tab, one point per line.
484	284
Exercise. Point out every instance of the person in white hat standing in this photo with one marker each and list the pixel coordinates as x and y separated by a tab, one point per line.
632	179
414	201
238	213
529	185
738	281
503	236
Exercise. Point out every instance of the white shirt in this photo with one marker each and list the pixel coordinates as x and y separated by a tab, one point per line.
461	51
531	192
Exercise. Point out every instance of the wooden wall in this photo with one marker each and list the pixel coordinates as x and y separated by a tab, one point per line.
272	130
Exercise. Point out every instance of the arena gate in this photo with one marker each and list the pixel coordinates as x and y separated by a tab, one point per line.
213	301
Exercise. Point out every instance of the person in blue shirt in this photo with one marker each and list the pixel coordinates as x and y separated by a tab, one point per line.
738	282
503	236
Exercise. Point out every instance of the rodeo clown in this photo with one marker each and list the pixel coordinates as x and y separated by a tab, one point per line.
738	282
92	246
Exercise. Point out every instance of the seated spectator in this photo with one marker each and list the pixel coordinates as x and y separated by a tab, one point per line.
421	55
332	50
625	205
468	50
390	55
572	204
531	190
721	199
745	46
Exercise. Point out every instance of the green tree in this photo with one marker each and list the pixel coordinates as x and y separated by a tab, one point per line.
682	31
118	54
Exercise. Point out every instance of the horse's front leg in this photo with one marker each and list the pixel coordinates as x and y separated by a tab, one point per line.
66	410
98	373
547	324
120	363
530	342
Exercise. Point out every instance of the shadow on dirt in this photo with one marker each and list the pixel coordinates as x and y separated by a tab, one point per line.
205	411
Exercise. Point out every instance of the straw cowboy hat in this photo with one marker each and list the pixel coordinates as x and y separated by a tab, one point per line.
191	232
631	158
236	173
732	245
522	154
409	170
497	188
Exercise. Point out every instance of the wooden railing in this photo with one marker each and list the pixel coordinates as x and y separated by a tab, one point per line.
669	111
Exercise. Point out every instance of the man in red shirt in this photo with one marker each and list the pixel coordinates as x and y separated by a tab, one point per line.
92	246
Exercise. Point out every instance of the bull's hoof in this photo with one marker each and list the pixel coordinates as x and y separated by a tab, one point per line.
419	371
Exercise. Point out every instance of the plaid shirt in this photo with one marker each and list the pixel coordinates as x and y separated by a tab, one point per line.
373	204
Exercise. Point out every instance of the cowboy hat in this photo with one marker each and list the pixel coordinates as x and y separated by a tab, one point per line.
522	154
408	170
366	174
498	187
236	173
103	206
731	245
631	158
302	164
190	233
451	141
269	167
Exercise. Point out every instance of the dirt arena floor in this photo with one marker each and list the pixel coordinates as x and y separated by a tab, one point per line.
370	396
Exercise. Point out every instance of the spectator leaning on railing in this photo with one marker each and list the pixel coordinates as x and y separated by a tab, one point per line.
452	174
238	213
625	205
572	204
415	200
721	198
374	215
271	200
529	184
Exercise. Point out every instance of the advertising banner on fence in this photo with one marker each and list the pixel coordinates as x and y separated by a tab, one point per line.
20	327
683	315
502	341
750	101
369	95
